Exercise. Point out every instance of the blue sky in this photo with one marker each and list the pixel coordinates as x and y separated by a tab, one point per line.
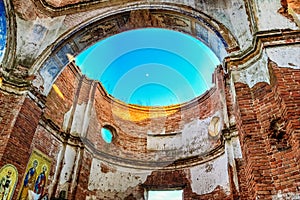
2	29
106	135
150	66
165	195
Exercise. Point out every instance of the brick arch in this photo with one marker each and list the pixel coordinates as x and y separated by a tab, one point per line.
48	67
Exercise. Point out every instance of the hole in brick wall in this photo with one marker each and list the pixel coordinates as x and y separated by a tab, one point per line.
278	135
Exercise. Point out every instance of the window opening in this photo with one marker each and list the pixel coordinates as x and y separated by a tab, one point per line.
107	134
165	194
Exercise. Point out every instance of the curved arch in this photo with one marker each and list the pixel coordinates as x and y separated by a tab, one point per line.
113	22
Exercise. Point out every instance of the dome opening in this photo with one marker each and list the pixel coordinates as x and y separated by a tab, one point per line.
150	66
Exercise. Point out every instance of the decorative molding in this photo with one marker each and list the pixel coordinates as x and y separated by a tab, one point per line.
254	72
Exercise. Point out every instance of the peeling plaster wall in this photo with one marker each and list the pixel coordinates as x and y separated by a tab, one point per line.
193	140
205	178
78	119
107	177
254	73
233	151
285	56
35	35
232	15
67	119
268	17
67	168
287	196
240	24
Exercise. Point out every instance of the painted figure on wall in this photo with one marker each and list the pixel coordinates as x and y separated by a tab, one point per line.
35	179
8	180
5	184
40	182
29	180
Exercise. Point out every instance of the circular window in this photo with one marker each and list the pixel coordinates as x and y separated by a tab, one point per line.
107	133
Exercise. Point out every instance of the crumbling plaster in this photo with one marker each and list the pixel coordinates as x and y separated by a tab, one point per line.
268	17
34	36
194	139
285	56
253	72
205	178
114	178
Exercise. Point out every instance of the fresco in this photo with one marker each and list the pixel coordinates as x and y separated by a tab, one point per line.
8	181
2	29
35	179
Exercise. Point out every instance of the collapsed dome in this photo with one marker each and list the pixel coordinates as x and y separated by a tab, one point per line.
150	66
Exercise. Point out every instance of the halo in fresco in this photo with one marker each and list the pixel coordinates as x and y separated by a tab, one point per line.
34	183
8	181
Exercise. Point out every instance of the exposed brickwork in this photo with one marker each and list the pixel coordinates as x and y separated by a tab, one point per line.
21	137
48	144
83	177
265	117
159	180
56	106
10	106
270	148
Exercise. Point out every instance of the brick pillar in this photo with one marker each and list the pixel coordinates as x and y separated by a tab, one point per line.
257	169
10	105
19	119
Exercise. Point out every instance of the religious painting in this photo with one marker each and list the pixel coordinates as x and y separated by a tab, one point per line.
35	177
8	181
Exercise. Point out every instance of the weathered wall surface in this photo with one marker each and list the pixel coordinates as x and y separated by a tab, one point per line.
241	141
267	116
157	134
206	181
10	106
18	132
59	103
266	10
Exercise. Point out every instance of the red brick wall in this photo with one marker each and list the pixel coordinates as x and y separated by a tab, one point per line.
18	148
271	159
56	106
83	177
10	106
132	122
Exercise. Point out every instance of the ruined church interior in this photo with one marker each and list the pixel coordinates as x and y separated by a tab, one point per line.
150	100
